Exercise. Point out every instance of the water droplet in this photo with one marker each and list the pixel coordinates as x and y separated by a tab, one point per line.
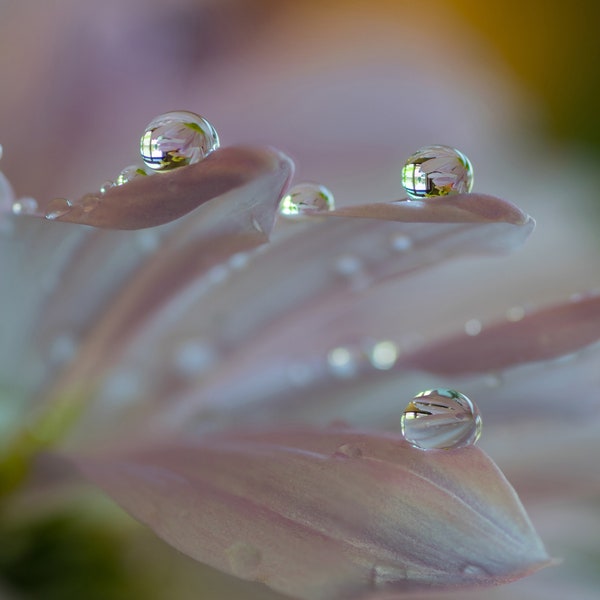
343	362
441	419
384	575
383	355
57	207
129	173
194	357
25	206
516	313
176	139
401	243
306	199
87	203
473	327
474	572
437	171
107	185
244	560
349	450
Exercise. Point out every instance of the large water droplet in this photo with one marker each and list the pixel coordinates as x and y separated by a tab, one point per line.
244	560
437	171
25	206
441	419
176	139
57	207
306	199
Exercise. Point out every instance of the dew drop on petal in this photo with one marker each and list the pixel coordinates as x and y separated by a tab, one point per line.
383	355
107	185
25	206
306	199
348	450
441	419
244	560
473	327
176	139
87	203
343	362
437	171
57	207
129	173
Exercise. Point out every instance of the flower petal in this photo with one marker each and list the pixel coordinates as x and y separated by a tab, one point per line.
539	336
328	514
151	201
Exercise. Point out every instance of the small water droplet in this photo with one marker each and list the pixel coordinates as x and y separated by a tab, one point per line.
348	266
387	575
128	174
306	199
441	419
343	362
516	313
176	139
244	560
401	243
87	203
106	186
473	572
473	327
383	355
436	171
194	357
25	206
349	450
57	207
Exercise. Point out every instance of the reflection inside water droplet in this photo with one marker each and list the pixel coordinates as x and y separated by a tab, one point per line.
306	199
57	207
437	171
176	139
441	419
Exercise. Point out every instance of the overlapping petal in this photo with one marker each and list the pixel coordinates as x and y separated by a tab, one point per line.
328	513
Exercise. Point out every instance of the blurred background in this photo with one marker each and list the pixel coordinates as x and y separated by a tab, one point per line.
349	89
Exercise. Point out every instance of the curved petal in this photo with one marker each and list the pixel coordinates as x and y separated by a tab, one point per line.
296	289
328	514
151	201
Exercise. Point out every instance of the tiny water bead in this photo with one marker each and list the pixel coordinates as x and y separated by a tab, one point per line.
437	171
441	419
306	199
176	139
128	174
57	207
25	206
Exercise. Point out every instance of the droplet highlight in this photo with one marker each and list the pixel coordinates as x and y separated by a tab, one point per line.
436	171
176	139
305	199
57	208
441	419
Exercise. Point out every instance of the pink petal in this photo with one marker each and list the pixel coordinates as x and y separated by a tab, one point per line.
328	514
54	302
151	201
539	336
